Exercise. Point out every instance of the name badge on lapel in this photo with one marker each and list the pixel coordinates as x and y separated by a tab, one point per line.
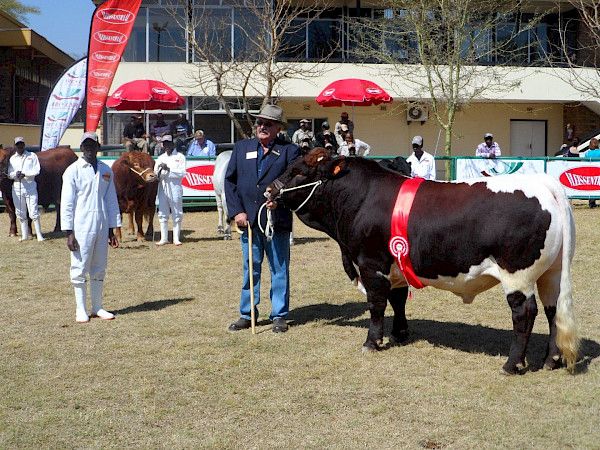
251	155
276	153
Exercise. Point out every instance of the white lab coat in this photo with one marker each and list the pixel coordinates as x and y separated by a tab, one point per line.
24	192
89	207
423	168
362	148
170	191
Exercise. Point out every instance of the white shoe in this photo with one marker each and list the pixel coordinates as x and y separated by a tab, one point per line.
164	233
38	230
176	232
162	242
81	316
104	314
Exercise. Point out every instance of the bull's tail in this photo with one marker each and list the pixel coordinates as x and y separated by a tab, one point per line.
567	338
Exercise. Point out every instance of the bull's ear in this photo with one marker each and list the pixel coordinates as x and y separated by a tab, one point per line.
336	168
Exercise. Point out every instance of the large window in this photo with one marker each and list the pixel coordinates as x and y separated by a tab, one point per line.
136	47
212	34
166	37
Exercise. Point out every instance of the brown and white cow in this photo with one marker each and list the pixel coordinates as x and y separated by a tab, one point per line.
136	185
464	237
53	163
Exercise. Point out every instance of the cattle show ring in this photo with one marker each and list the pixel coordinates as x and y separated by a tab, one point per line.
167	373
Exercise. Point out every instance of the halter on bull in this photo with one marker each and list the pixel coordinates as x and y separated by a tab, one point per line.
464	238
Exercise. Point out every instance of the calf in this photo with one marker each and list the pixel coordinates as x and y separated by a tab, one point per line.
462	237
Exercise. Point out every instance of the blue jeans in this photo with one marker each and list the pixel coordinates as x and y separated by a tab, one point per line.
278	255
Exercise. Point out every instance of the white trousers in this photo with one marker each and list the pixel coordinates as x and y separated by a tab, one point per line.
91	257
170	201
25	197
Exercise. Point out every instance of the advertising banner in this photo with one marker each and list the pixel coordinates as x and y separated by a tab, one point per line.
482	167
109	33
63	103
580	179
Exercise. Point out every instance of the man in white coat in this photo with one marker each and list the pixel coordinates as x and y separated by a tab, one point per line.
23	167
89	213
170	167
422	164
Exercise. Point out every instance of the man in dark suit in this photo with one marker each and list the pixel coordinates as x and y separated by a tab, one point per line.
254	165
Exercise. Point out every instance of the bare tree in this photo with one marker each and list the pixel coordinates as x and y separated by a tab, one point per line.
248	49
447	52
18	9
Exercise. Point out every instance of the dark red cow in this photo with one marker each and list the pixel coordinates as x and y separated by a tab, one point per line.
461	237
53	163
136	185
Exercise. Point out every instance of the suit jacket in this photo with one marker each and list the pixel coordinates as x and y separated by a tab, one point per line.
244	190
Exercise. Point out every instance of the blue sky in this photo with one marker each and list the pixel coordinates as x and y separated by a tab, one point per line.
65	23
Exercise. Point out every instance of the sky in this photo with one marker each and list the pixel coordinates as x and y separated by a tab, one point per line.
65	23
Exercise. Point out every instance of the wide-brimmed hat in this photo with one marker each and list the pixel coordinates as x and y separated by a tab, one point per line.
271	112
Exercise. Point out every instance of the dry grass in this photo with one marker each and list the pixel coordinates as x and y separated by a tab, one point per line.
167	374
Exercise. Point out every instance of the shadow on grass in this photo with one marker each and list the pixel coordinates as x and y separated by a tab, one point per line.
459	336
309	240
155	305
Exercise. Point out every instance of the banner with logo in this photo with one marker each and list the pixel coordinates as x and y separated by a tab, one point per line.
467	168
109	33
580	179
63	103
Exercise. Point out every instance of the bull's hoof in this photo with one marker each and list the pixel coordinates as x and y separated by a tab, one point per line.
514	369
227	237
553	363
220	230
399	338
140	238
372	347
12	234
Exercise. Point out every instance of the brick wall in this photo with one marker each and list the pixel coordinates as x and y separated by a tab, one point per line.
583	119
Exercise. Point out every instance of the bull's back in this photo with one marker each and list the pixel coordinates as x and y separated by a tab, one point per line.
456	226
221	164
53	164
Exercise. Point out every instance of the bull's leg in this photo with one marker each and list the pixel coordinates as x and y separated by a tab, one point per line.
553	359
131	226
220	213
524	310
13	220
549	289
150	217
139	222
377	293
57	223
398	298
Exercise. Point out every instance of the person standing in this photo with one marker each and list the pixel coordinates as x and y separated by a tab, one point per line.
201	146
180	131
344	125
488	148
23	167
353	147
326	139
89	214
302	134
254	165
134	135
170	168
422	164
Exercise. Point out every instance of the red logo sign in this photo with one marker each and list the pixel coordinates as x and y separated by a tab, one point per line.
96	103
105	56
102	74
199	178
115	16
581	178
161	91
109	37
99	89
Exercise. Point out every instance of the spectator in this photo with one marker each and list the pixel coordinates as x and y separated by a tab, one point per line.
422	164
573	150
134	135
593	153
344	125
562	151
200	146
301	134
326	139
353	147
160	127
254	165
488	148
181	130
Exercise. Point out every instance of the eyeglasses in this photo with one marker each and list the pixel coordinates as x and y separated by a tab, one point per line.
260	123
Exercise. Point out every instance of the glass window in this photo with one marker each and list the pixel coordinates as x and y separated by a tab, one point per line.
248	43
115	123
216	127
244	123
293	44
212	34
324	39
136	46
166	36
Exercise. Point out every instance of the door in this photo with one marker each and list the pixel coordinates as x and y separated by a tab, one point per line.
527	137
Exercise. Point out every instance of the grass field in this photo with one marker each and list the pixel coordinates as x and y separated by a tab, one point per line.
167	374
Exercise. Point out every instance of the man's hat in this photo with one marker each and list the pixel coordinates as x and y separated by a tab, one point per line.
304	121
19	139
167	138
488	135
325	124
89	135
344	127
271	112
417	140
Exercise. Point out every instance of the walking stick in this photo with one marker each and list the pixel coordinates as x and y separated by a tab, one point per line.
251	271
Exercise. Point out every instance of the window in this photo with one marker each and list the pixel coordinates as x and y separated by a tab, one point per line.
324	39
166	37
136	46
212	34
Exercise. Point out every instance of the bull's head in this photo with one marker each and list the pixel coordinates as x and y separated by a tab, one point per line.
144	171
303	174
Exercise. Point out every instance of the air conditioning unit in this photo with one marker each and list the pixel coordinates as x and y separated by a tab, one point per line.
416	113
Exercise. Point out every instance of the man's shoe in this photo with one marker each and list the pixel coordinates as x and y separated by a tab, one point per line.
240	324
279	325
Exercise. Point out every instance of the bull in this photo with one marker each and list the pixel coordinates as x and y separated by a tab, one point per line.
53	163
137	186
465	238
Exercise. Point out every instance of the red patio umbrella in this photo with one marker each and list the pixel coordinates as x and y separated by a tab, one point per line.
353	91
142	95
